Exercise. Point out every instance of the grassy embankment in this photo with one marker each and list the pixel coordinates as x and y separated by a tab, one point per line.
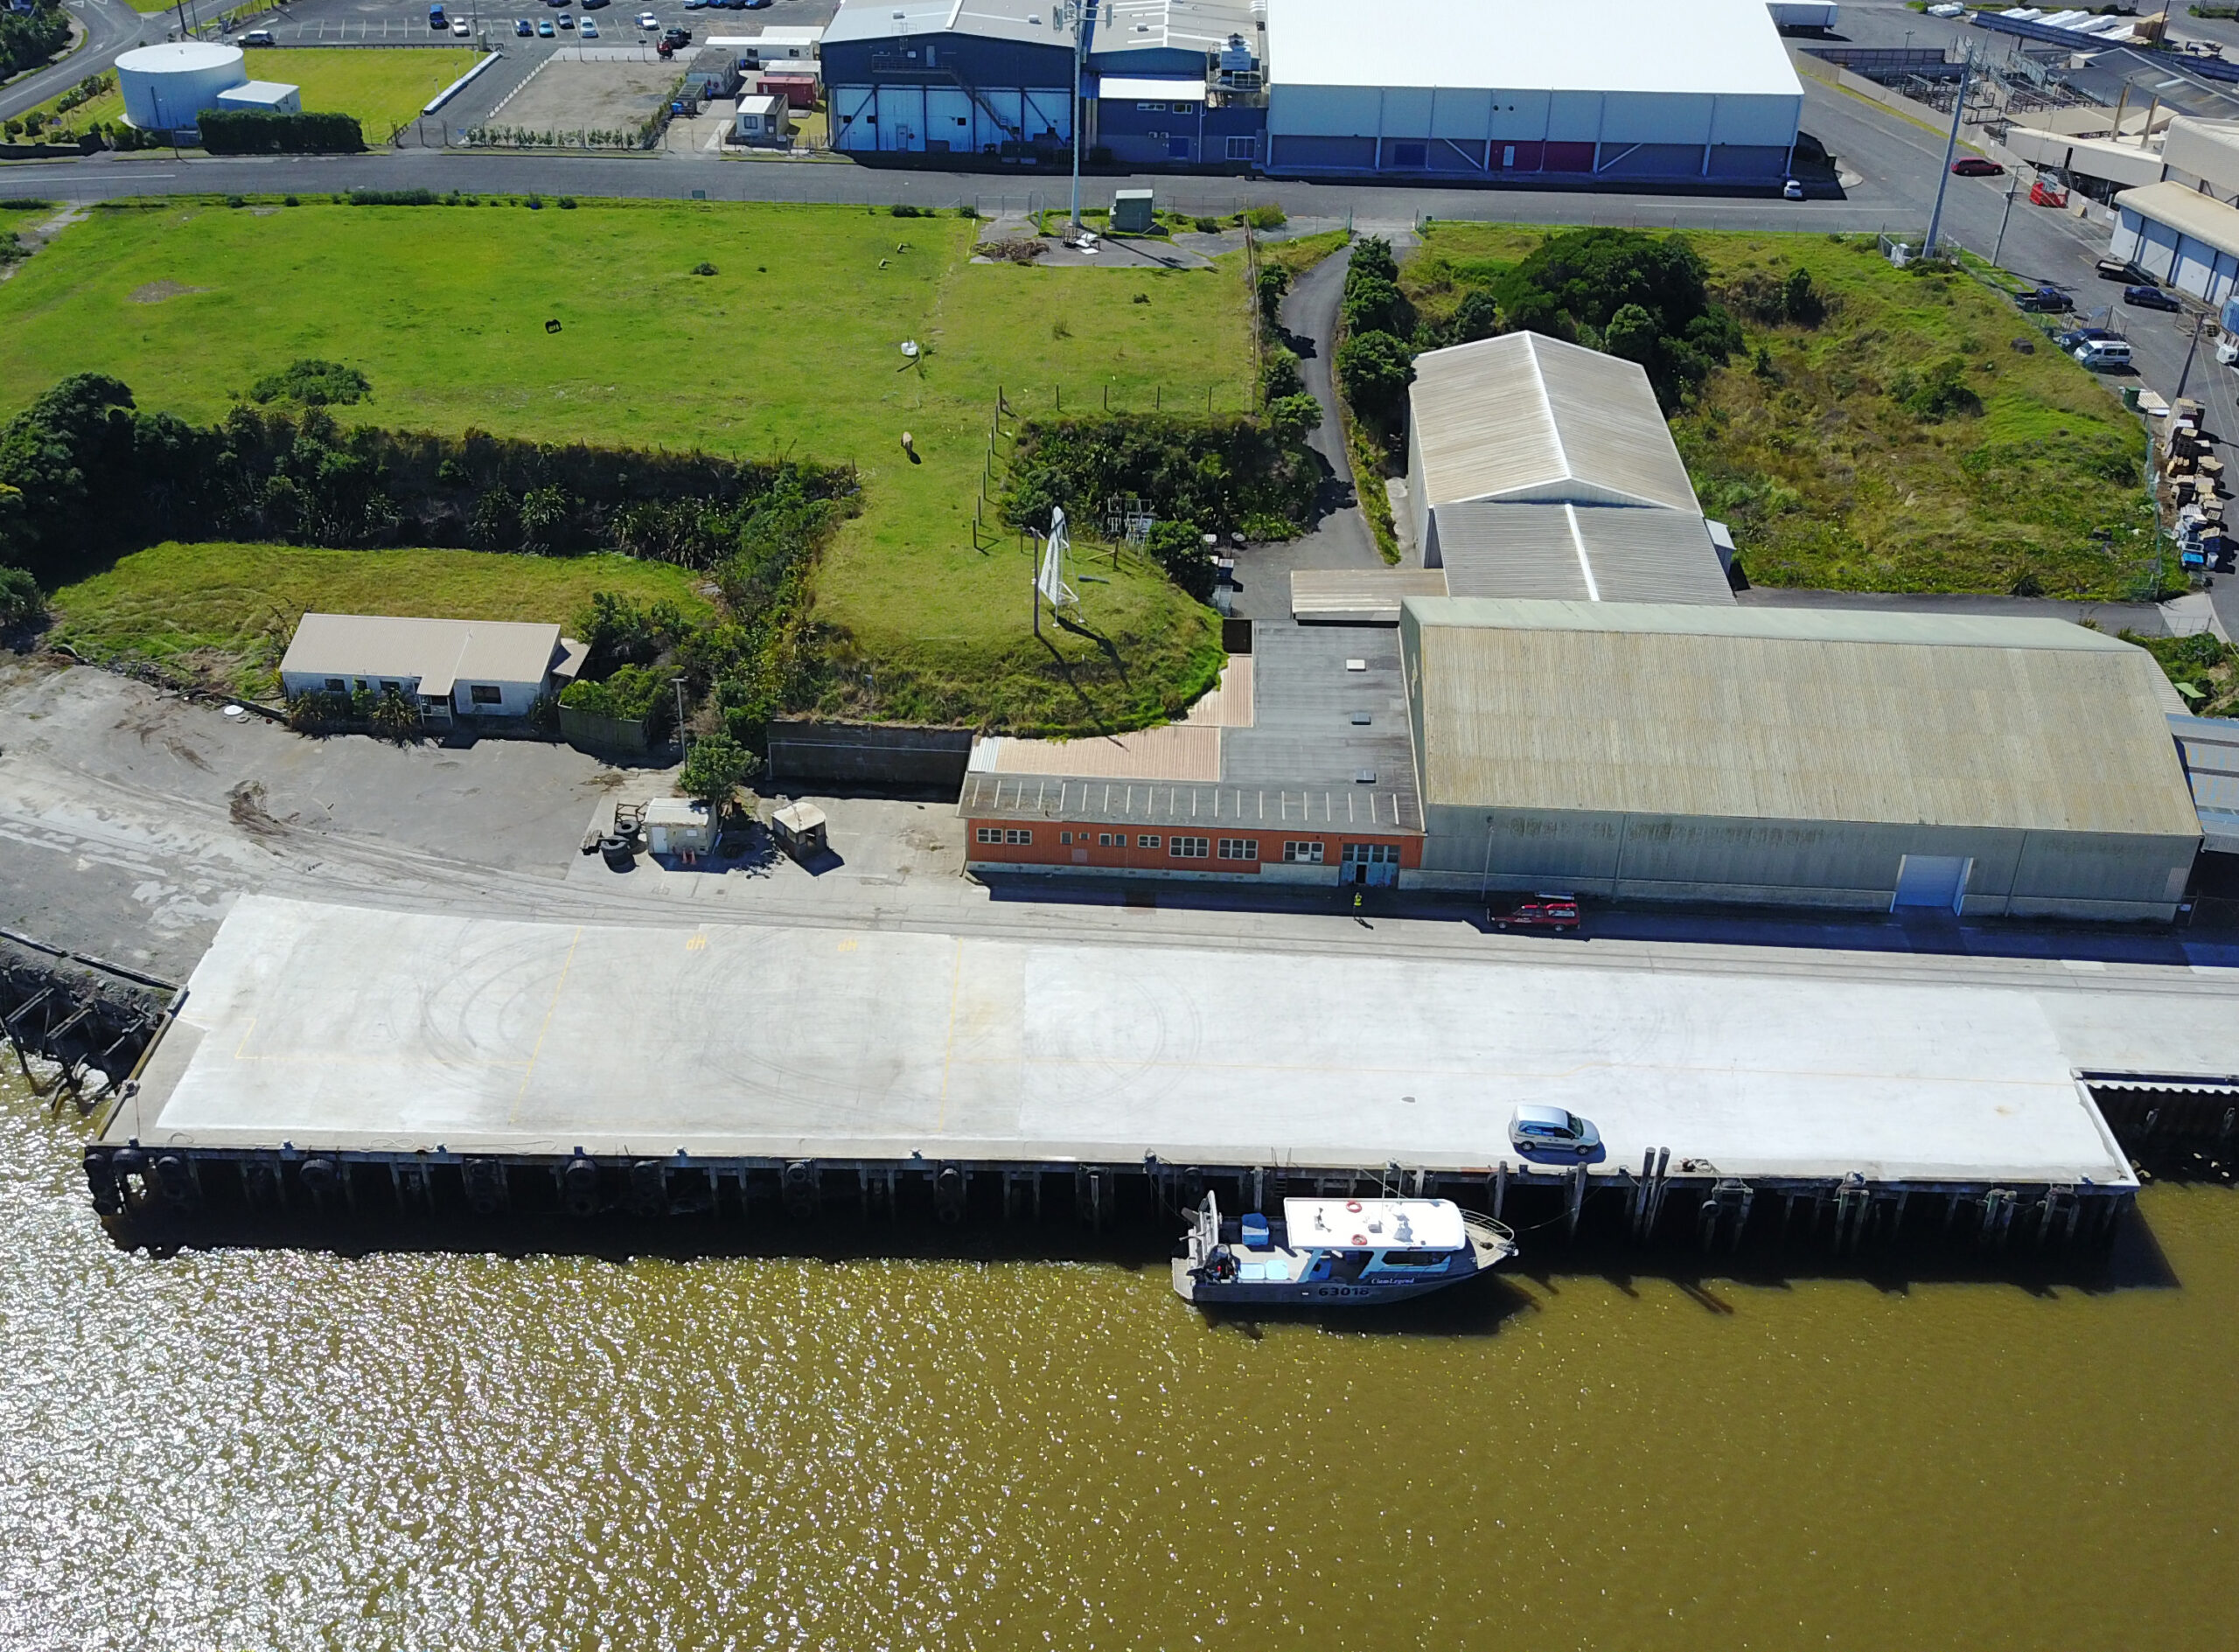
385	88
1829	483
792	347
232	608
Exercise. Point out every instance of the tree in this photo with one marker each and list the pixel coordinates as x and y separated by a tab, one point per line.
1632	333
1372	256
1294	418
713	772
1275	282
1476	316
1375	370
1577	285
1373	304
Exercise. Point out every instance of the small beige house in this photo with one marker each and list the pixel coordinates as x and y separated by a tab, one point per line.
462	667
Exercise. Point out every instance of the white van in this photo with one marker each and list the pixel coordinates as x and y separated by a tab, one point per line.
2104	355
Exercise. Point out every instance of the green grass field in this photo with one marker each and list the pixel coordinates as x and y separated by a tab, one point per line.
108	105
230	609
1829	484
794	346
385	88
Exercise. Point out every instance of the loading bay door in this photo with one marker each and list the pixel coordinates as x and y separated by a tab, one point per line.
1932	880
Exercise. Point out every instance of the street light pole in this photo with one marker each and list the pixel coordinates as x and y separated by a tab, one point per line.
2012	184
1080	14
1950	146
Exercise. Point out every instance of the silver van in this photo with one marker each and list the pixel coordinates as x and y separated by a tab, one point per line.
2104	355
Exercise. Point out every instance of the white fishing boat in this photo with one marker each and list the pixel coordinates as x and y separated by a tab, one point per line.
1337	1250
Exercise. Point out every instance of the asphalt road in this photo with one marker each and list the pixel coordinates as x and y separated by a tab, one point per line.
112	28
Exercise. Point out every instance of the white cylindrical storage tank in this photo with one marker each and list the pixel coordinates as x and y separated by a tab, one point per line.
165	86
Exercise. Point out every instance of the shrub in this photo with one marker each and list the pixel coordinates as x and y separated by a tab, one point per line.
1294	418
392	197
393	717
902	209
258	132
633	694
318	714
1267	216
20	600
1939	392
313	384
703	267
1281	378
236	200
967	212
1179	547
1206	226
1212	472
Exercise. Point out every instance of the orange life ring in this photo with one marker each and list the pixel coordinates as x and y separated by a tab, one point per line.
1354	1206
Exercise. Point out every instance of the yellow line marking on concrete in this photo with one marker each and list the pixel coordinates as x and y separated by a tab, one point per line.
243	1045
948	1049
551	1010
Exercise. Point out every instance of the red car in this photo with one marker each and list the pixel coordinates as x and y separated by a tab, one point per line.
1540	912
1976	166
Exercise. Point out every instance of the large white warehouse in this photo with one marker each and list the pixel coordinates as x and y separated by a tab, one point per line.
165	86
1632	89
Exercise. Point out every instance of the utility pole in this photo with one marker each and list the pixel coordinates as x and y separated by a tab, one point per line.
1950	145
2199	325
2012	185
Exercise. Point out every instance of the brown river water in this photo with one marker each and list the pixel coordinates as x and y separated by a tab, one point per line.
281	1449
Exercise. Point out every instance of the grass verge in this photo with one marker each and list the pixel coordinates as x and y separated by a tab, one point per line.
1809	444
792	346
384	86
230	609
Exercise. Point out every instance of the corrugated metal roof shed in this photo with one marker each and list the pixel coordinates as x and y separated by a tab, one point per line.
1590	553
1189	26
1027	20
438	652
2209	748
1317	727
1706	46
1792	715
1524	418
2187	211
1359	596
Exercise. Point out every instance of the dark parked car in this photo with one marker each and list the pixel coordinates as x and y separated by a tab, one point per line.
2150	299
521	27
2123	270
2045	299
2075	336
677	37
1976	166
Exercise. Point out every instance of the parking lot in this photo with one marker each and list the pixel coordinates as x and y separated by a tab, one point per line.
405	22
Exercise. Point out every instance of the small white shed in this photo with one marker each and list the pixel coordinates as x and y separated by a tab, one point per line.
262	97
678	826
763	119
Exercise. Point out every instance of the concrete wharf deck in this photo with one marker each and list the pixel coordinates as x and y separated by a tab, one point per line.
401	1043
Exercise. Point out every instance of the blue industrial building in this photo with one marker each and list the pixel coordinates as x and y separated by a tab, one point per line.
985	78
1630	91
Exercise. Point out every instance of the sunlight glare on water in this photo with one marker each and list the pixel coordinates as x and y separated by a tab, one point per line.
284	1450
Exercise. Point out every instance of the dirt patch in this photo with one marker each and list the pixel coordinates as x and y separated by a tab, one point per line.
155	292
247	801
597	96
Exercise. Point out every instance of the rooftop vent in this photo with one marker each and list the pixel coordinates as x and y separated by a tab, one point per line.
1356	664
1365	777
